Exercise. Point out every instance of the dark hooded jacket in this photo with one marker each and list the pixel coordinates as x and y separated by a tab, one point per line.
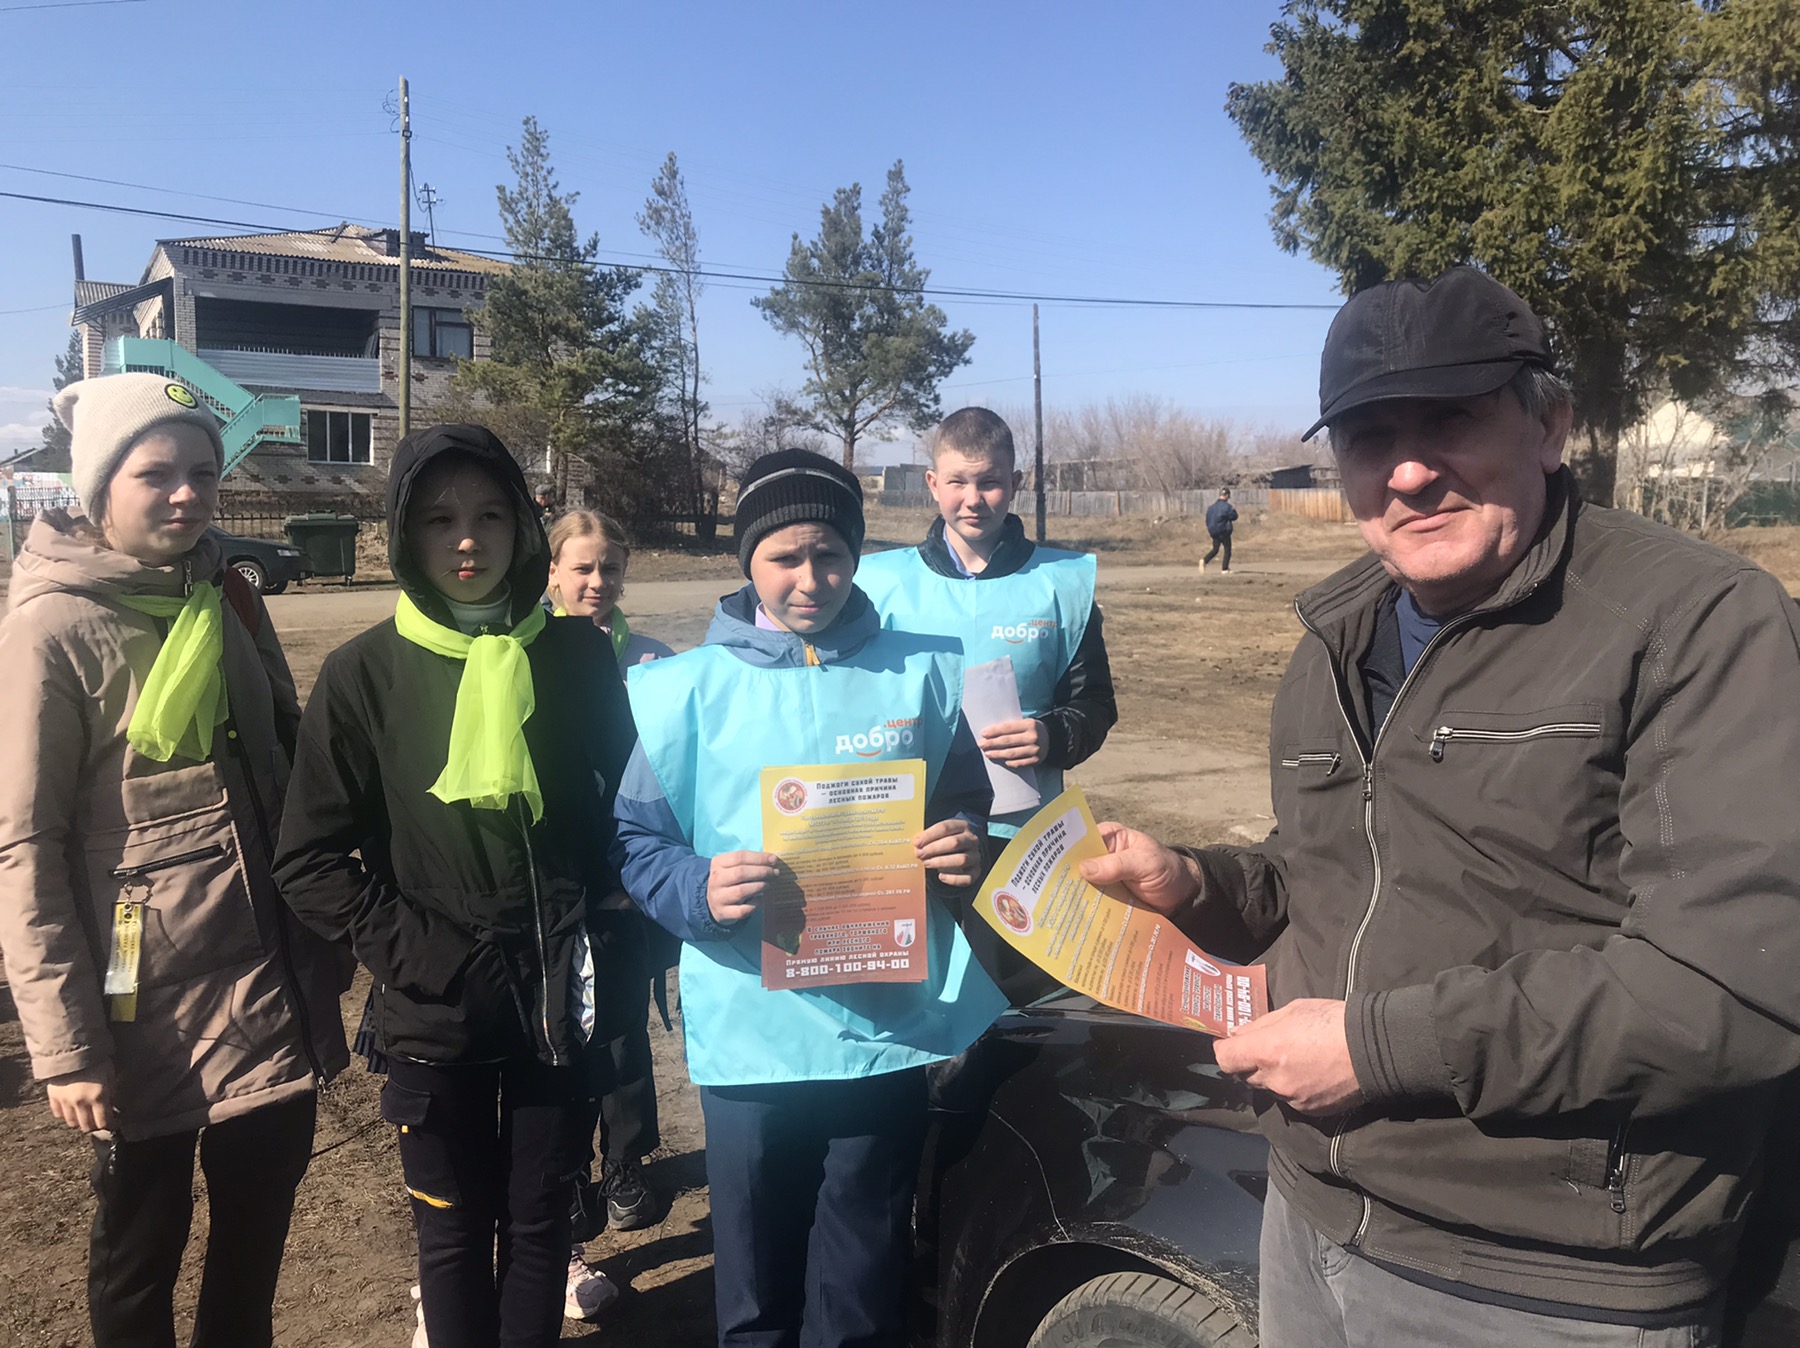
470	920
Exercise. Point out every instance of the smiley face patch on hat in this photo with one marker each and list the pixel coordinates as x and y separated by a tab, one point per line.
178	393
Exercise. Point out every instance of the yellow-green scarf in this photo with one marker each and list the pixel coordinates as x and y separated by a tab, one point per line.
183	700
489	761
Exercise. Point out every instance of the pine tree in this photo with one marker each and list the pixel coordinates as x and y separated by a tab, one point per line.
669	222
1582	153
54	456
571	367
876	351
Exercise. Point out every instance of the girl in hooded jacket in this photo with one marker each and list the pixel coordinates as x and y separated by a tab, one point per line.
169	1000
589	552
450	819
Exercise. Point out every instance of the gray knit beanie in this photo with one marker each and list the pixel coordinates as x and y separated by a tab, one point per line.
108	415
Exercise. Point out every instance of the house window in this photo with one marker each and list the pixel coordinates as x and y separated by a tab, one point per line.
443	333
338	437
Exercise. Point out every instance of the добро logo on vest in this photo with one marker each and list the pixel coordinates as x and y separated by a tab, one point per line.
883	737
1038	629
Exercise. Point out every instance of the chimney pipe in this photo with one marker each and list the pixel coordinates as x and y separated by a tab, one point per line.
80	270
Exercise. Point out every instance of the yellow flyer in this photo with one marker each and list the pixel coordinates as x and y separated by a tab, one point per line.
1104	944
849	904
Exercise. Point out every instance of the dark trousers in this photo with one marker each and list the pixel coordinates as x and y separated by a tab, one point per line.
145	1193
624	1108
488	1151
1220	542
812	1186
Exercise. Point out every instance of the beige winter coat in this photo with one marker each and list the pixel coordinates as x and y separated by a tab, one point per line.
237	1003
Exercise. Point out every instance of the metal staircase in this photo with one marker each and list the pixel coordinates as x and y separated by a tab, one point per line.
249	420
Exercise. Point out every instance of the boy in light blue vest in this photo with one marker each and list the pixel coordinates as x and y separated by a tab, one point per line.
978	578
814	1100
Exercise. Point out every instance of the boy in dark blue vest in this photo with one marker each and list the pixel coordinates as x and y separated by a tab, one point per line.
978	578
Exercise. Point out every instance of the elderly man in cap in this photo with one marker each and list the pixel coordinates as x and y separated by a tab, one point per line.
1532	907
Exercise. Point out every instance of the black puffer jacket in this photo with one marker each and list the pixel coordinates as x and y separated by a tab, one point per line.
469	919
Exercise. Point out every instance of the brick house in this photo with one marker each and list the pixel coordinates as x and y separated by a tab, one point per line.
312	315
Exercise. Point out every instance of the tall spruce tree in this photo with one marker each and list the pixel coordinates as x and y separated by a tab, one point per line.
571	368
875	350
669	222
54	456
1609	160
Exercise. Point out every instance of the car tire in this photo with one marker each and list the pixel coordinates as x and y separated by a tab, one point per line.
276	588
251	570
1138	1310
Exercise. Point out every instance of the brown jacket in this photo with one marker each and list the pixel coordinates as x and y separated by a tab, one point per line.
237	1004
1560	895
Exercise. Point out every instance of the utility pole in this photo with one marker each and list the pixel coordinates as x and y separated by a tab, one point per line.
405	262
1037	400
430	200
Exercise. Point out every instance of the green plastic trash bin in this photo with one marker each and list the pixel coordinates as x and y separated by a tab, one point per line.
327	542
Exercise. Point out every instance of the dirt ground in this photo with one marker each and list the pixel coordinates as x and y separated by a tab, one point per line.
1196	658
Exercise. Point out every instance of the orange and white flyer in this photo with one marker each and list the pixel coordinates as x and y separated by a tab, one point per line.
1104	943
849	904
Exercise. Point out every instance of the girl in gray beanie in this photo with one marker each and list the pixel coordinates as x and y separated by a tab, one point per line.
169	1001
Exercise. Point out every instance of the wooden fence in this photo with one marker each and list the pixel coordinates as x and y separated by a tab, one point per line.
1315	503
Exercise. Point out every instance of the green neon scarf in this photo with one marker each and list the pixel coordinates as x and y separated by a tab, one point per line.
183	699
621	635
488	761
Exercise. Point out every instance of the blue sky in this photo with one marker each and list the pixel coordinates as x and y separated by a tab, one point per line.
1053	148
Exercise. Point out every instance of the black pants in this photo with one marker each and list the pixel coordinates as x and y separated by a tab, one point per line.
488	1151
145	1193
1220	541
623	1108
812	1186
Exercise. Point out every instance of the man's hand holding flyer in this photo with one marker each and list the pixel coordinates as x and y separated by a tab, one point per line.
849	904
1104	944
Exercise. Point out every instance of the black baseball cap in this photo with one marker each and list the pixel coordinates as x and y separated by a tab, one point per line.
1458	336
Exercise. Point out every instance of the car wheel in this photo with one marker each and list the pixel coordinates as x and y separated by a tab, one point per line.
276	588
251	570
1138	1310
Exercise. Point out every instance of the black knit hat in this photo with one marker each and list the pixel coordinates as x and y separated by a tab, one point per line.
796	486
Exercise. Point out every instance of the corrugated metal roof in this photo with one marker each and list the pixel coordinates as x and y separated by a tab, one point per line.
342	243
92	292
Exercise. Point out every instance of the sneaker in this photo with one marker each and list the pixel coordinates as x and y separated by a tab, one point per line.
419	1339
630	1204
589	1291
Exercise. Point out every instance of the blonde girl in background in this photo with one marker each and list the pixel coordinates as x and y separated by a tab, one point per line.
588	556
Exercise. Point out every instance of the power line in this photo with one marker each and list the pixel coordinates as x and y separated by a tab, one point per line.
175	192
69	4
947	292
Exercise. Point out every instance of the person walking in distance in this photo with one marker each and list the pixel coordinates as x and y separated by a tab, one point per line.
1220	516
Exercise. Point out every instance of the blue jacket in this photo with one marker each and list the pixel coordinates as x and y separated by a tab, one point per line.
1219	516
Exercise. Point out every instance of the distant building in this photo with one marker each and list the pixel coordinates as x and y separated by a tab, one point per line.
313	315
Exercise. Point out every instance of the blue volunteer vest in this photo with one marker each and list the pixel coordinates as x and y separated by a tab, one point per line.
1037	616
709	723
